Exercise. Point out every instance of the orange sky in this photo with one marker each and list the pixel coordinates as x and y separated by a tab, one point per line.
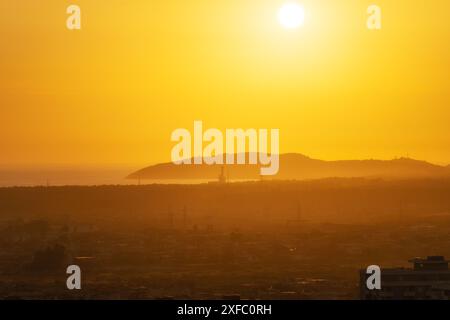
112	93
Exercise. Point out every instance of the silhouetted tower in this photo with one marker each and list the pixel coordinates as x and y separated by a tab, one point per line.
222	177
299	211
401	212
170	216
184	216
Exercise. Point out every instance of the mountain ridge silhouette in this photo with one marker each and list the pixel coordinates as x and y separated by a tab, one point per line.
297	166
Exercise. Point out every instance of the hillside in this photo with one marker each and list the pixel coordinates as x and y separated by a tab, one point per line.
299	167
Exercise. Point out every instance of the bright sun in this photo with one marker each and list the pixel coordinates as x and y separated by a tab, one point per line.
291	15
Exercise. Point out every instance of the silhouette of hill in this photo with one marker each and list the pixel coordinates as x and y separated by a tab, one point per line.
295	166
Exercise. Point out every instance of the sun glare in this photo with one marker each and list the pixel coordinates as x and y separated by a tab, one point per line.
291	15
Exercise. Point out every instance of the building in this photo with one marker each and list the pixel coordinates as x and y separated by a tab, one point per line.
429	279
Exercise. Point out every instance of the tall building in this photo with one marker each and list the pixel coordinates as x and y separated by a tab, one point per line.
428	279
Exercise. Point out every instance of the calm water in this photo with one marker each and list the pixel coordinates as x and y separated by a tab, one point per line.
63	176
76	177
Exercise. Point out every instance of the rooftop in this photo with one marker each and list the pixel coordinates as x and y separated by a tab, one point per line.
430	263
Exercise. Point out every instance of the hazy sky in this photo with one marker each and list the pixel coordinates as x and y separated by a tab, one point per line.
113	92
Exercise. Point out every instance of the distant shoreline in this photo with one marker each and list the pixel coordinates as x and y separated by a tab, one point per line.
332	181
